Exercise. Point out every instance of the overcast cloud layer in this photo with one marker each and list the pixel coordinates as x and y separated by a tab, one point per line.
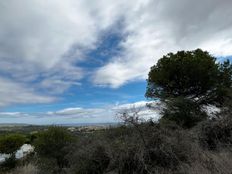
42	42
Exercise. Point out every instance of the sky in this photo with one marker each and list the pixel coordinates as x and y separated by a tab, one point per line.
79	61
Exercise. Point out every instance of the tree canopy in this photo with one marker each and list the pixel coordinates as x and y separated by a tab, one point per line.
191	74
188	81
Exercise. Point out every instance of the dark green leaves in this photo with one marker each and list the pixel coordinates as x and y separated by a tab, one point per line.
191	74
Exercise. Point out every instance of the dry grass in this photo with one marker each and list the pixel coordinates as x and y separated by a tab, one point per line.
27	169
210	163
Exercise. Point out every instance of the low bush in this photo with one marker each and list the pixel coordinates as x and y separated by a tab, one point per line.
53	144
90	160
216	133
9	144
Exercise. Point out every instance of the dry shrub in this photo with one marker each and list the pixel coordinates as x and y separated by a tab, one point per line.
91	159
171	148
127	157
27	169
216	134
209	163
163	151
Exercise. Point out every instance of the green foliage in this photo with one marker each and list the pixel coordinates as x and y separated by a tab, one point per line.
186	81
223	94
11	143
183	112
225	74
191	74
31	138
52	143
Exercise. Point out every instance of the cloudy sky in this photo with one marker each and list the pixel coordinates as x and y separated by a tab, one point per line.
72	61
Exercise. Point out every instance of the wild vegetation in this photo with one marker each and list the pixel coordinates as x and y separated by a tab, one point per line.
185	140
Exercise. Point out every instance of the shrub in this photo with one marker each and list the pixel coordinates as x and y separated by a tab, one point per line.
52	144
166	148
131	160
215	134
169	147
9	144
90	160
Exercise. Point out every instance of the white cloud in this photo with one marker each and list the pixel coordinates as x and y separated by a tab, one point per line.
14	93
79	112
157	27
42	32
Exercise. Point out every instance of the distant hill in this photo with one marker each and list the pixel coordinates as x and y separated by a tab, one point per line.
13	124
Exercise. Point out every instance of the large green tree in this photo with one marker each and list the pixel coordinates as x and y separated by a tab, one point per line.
194	75
186	81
